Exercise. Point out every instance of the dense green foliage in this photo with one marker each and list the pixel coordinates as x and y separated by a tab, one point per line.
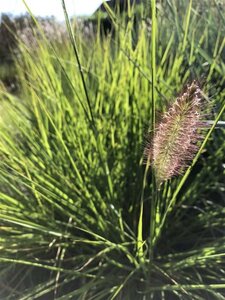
73	186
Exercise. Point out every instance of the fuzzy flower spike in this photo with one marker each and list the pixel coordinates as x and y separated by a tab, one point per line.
175	141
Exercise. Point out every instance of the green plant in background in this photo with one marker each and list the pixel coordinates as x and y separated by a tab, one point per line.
81	216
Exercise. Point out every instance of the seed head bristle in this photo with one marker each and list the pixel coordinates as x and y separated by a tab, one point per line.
175	141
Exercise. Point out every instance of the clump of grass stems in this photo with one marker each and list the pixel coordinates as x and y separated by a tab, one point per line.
80	216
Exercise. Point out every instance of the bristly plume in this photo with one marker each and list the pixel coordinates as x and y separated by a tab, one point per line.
175	141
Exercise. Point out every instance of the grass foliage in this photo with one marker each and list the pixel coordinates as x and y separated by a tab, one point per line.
79	214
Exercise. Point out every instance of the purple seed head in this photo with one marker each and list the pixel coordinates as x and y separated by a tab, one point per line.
175	141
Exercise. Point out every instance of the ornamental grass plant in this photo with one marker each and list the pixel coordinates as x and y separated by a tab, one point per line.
81	214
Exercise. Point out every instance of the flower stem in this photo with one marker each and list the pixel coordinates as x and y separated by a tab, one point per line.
153	56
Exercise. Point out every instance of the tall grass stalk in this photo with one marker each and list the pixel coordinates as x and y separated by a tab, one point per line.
73	42
154	203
